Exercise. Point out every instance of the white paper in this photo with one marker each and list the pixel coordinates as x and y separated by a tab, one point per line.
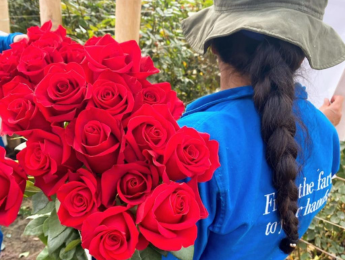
325	83
341	91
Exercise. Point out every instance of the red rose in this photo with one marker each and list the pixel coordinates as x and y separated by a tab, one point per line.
14	83
50	43
147	68
18	110
32	63
111	93
79	198
106	53
98	139
47	157
160	93
61	95
17	48
111	234
35	33
133	83
74	52
12	183
93	40
150	128
8	66
133	182
168	217
191	154
46	153
49	40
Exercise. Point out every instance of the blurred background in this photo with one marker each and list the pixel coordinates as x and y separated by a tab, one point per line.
191	75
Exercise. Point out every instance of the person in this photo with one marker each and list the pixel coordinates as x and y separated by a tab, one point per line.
333	108
7	39
278	152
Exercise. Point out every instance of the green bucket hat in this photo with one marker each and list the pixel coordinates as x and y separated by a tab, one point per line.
296	21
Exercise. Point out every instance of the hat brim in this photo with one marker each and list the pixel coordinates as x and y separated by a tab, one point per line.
322	46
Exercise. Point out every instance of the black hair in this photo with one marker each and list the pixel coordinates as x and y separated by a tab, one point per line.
271	64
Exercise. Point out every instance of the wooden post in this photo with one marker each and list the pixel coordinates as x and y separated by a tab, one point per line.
4	17
127	20
51	10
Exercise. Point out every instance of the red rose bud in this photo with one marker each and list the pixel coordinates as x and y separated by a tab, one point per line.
98	139
111	93
147	68
74	52
111	234
35	33
63	93
190	154
160	93
79	198
150	128
105	53
168	217
12	183
132	182
49	42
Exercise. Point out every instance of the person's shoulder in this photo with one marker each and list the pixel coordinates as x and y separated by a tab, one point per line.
314	118
208	121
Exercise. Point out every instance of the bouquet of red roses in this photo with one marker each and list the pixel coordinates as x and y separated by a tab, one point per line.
103	144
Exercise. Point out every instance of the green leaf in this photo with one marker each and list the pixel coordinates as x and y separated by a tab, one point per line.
44	239
75	235
46	227
47	209
55	227
184	253
56	242
73	244
39	202
136	256
44	255
57	205
67	255
335	219
150	254
35	227
160	251
305	256
341	215
80	254
31	189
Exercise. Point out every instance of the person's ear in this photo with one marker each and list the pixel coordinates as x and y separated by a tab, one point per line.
214	50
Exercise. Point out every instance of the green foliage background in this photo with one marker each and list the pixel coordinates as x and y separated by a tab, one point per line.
191	75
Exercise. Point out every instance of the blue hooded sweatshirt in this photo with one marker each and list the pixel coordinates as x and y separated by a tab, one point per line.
243	222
